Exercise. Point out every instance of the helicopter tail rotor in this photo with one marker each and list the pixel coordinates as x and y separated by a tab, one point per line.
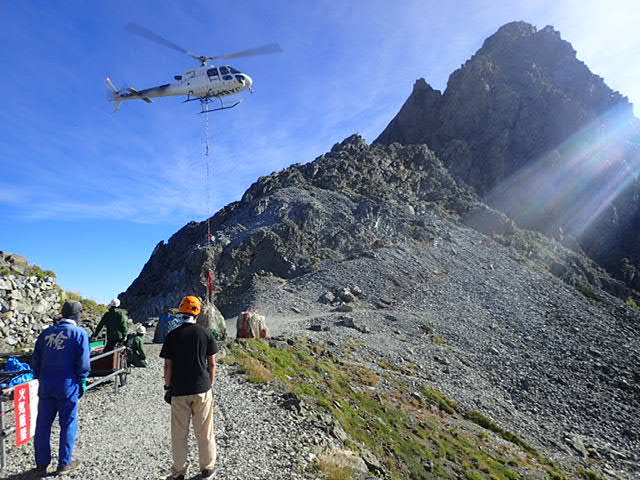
110	86
113	94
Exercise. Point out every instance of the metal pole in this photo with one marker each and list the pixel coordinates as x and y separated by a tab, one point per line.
2	433
105	378
110	352
116	380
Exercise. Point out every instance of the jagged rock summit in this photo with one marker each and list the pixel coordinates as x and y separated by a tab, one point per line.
539	137
522	94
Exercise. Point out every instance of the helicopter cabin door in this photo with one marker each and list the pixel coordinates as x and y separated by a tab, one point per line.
213	75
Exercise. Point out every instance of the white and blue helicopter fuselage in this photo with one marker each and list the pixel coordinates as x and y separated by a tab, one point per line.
202	83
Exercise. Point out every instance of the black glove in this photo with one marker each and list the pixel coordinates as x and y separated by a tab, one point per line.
167	394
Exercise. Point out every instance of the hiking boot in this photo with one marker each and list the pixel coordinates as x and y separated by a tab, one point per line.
206	474
40	471
68	468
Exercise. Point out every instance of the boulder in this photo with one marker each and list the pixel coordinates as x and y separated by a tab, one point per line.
340	459
212	319
16	259
486	220
345	295
327	297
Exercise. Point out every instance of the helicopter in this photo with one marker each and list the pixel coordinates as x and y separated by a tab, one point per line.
204	83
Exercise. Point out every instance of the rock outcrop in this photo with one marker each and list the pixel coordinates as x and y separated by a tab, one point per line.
540	138
351	200
29	300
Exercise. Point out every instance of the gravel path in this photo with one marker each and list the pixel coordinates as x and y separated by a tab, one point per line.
126	436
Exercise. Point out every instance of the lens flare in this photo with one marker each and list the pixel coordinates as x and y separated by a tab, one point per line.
571	186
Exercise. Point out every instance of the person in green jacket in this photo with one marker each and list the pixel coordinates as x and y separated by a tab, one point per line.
115	321
137	358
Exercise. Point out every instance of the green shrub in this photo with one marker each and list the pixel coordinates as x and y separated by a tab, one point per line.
588	474
90	308
587	292
439	399
632	303
485	422
36	271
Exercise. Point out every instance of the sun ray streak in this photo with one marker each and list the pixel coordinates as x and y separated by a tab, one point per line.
573	185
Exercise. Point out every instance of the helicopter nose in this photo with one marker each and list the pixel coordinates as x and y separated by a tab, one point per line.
247	80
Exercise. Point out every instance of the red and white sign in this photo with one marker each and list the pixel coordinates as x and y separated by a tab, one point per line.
25	404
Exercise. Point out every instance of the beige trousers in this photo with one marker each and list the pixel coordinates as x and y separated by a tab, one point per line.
199	409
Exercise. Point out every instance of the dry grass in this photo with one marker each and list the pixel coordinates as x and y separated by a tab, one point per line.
367	376
255	370
332	471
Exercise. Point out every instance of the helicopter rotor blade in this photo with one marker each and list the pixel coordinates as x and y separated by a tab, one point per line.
263	50
154	37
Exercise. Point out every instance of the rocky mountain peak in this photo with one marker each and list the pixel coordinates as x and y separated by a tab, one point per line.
519	115
521	94
511	32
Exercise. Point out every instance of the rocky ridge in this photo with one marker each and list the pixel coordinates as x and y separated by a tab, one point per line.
351	200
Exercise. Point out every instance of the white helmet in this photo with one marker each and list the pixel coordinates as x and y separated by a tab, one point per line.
115	303
140	329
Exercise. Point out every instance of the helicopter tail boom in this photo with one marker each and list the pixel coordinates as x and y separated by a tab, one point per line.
119	96
137	94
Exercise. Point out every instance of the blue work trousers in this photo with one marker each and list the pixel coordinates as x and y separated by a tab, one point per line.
67	410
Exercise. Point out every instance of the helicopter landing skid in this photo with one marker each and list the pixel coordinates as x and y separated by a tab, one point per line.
205	101
223	106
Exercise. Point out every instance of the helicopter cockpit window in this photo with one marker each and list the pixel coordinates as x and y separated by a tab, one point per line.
233	70
224	71
240	78
212	72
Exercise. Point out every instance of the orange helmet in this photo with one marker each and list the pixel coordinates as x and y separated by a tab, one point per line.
190	305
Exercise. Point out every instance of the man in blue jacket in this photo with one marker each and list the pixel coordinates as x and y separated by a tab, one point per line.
60	362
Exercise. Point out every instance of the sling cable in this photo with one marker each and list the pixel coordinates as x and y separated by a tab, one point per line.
211	286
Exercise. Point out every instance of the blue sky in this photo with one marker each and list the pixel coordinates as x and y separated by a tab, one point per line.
88	193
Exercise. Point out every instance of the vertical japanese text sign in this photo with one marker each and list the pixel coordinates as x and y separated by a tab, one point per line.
25	404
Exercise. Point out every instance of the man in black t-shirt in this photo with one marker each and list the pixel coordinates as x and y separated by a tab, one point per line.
189	353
